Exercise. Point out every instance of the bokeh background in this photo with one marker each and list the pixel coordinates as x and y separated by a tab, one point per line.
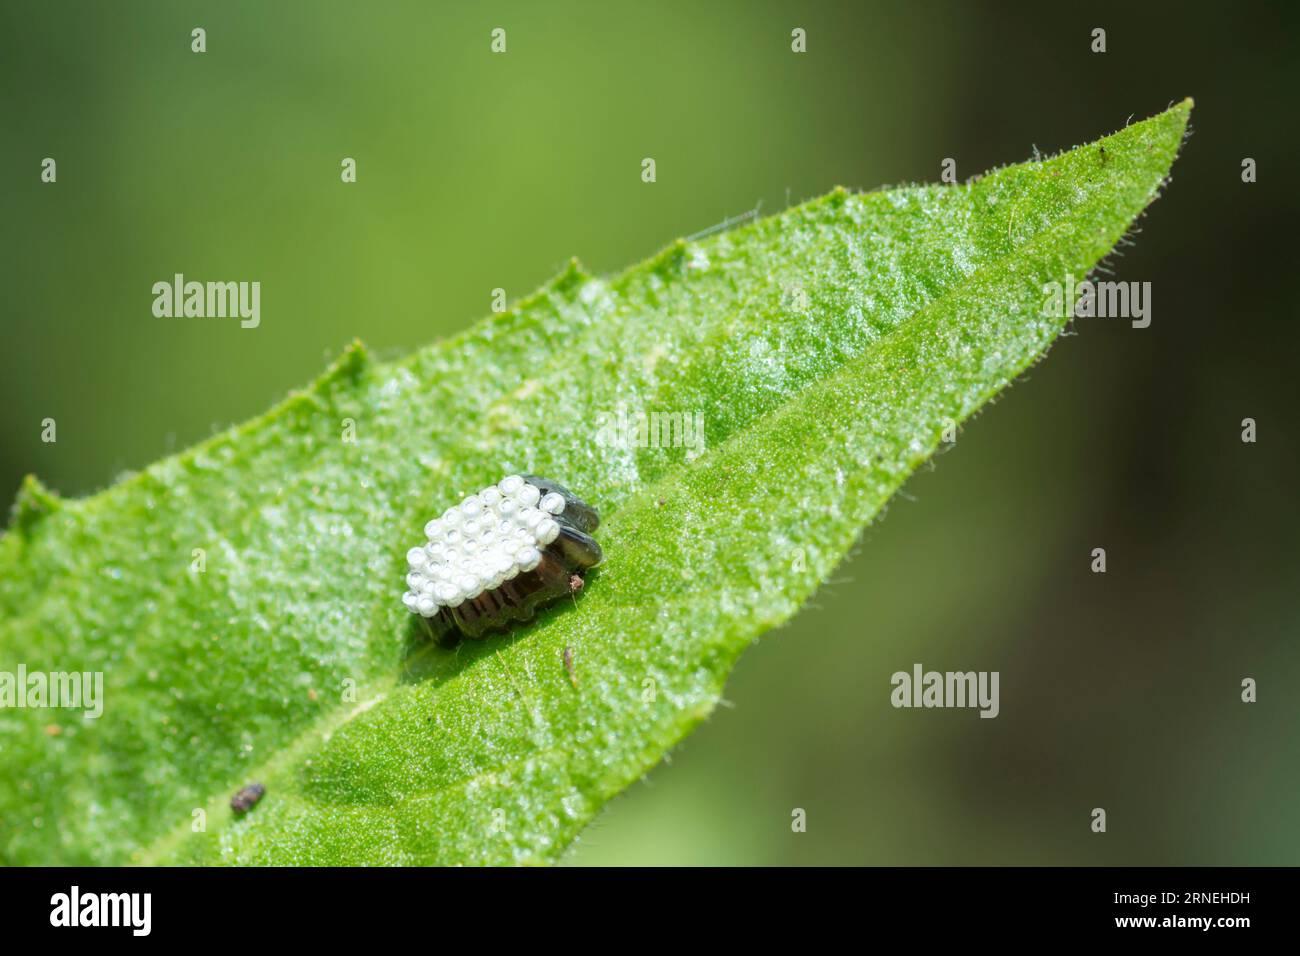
479	171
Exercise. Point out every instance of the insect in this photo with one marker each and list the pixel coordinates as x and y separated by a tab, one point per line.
568	665
500	555
247	797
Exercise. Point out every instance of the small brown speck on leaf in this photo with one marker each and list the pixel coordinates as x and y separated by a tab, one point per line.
247	797
53	730
568	665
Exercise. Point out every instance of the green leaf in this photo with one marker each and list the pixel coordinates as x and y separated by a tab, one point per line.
827	348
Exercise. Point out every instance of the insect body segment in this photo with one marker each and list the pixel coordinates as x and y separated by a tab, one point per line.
500	555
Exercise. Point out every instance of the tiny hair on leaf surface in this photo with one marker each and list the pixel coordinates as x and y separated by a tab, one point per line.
826	349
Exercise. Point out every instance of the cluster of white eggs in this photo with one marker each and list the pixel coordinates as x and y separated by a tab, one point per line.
481	543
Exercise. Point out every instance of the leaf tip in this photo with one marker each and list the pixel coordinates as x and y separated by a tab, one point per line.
574	274
356	351
350	363
668	261
34	502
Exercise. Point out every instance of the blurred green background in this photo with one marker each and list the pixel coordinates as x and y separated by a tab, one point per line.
478	171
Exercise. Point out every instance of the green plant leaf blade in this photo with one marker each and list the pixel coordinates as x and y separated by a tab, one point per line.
825	348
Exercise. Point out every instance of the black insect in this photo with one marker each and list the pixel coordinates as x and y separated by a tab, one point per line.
247	797
499	556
